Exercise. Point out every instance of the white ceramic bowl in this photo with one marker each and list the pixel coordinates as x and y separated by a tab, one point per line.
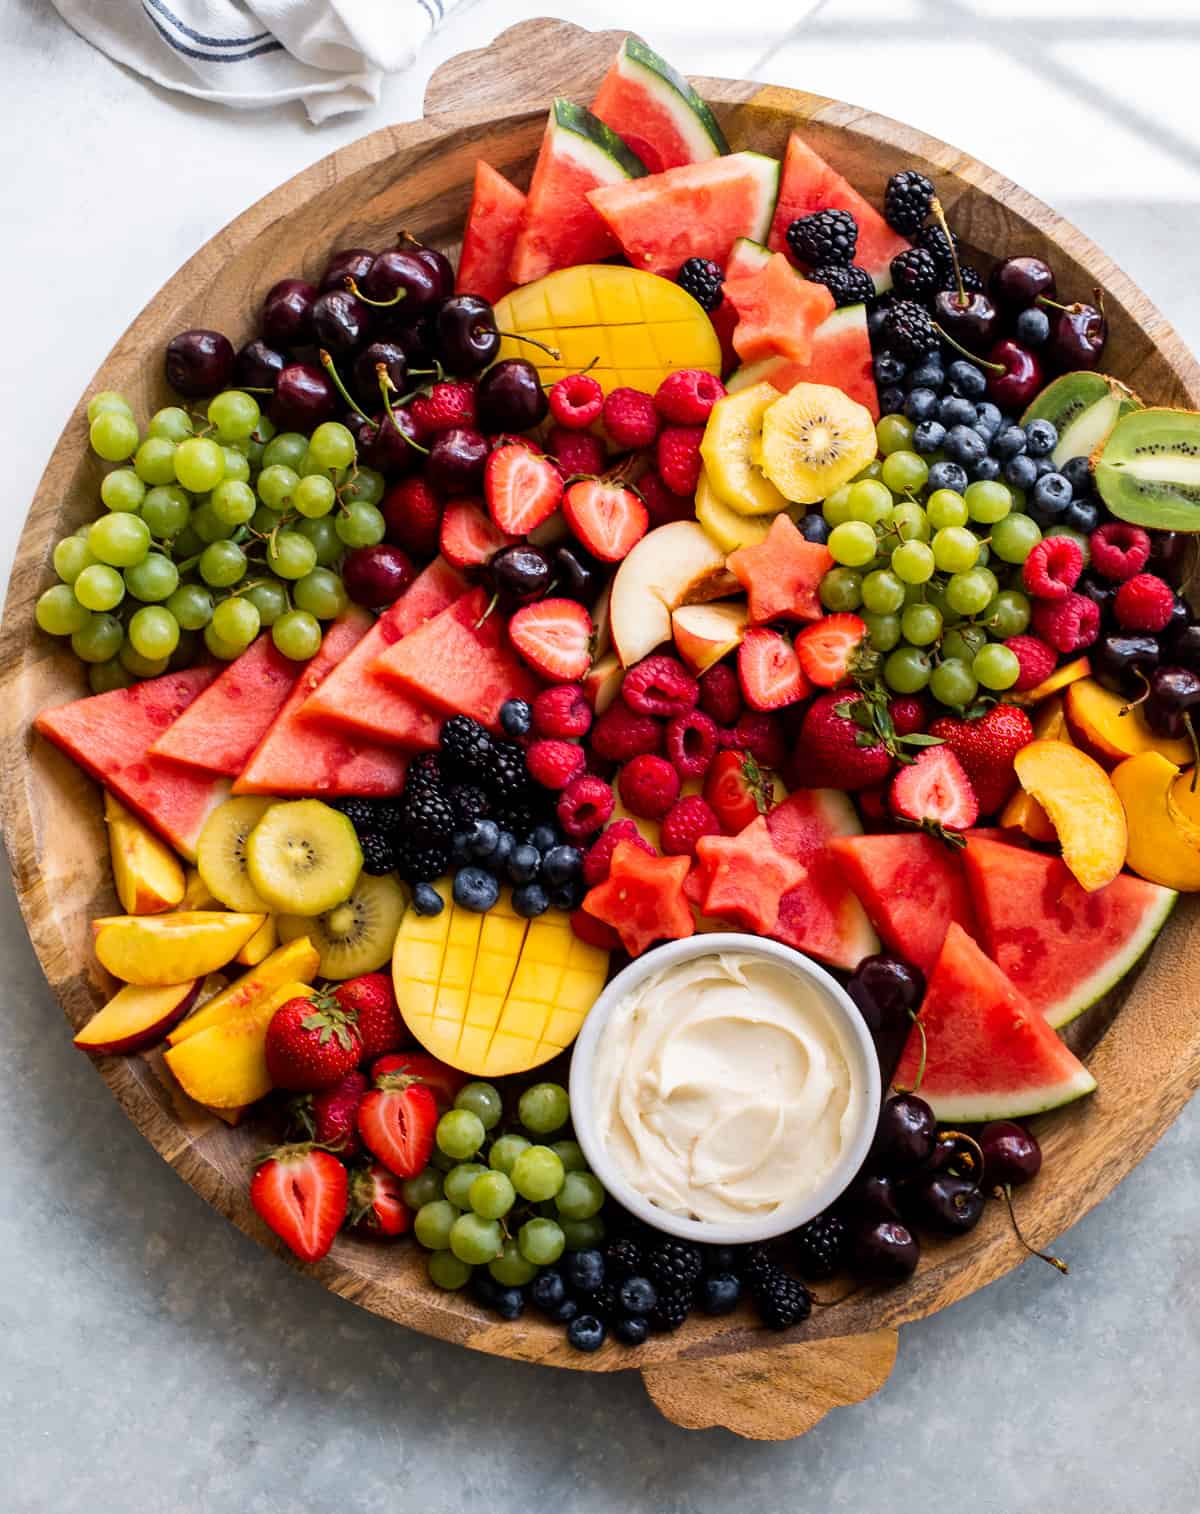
864	1071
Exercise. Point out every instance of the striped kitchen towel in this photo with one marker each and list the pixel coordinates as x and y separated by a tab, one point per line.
331	54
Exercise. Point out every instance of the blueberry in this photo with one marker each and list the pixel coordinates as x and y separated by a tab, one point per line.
889	369
585	1333
928	375
921	404
584	1270
721	1258
561	864
543	837
1078	475
482	838
1044	465
988	419
985	471
510	1303
956	411
459	848
630	1331
1032	327
427	900
1021	472
497	860
1008	442
965	445
564	1312
814	527
947	475
877	319
967	380
568	896
719	1293
548	1290
928	436
530	899
516	717
1041	438
475	890
524	863
891	400
1052	494
637	1295
1082	515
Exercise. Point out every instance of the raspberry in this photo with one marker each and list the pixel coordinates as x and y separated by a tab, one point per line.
692	743
630	419
576	401
685	822
1119	550
594	931
660	685
759	733
577	452
1144	603
678	457
554	763
662	506
599	858
445	406
649	786
721	694
562	711
584	806
686	396
1052	569
621	733
1036	658
1068	624
413	513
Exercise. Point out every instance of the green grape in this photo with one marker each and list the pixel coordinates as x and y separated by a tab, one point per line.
432	1222
154	461
996	667
232	503
425	1188
199	464
895	434
1008	614
580	1234
186	652
99	640
331	445
71	556
475	1240
104	677
483	1100
907	670
286	448
537	1174
952	683
984	554
882	592
173	423
968	593
119	540
270	599
297	634
290	555
322	593
366	484
206	525
263	432
905	472
166	511
541	1242
59	613
153	632
883	630
219	647
492	1195
314	496
460	1134
114	436
122	489
921	624
440	1161
360	525
1015	537
446	1271
275	485
154	578
1077	537
841	589
869	501
852	544
191	606
544	1107
990	579
581	1197
457	1183
252	450
909	521
237	466
570	1154
142	667
963	642
912	561
836	506
955	549
988	500
235	620
323	535
265	520
510	1268
110	400
505	1152
99	587
946	507
874	469
222	564
234	414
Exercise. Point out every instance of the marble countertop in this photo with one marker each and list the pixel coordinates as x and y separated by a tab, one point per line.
151	1356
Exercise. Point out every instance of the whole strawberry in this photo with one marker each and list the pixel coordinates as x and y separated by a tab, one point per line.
413	514
329	1116
834	750
376	1203
311	1044
372	1002
986	748
445	406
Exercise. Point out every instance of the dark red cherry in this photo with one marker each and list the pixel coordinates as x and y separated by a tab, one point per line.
304	397
945	1204
519	574
1168	555
456	462
440	266
393	273
287	313
258	366
1015	387
1010	1154
199	362
887	992
883	1251
509	397
1185	648
377	576
871	1196
1077	336
340	322
365	374
970	318
579	574
385	442
1018	282
466	334
1119	659
347	263
904	1136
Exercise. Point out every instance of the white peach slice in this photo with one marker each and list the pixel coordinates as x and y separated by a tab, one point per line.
706	633
673	565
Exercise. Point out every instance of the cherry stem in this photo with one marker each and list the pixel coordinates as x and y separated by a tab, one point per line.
958	347
516	336
1191	730
352	285
939	215
829	1303
491	605
386	388
921	1064
1144	695
1004	1192
330	368
961	1135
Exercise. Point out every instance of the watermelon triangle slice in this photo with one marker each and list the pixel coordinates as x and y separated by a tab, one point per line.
299	755
841	356
820	915
656	111
110	735
1061	946
493	225
989	1055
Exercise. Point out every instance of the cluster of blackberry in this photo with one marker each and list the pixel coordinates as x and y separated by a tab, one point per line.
825	244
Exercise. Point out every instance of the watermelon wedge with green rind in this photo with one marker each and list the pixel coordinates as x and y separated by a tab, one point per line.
560	227
841	356
1061	946
494	222
820	915
987	1053
697	211
655	111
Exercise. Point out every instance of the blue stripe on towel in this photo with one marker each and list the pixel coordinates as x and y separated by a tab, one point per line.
195	36
191	52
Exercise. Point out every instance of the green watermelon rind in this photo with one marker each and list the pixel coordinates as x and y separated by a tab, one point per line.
1113	969
974	1109
575	129
694	120
747	256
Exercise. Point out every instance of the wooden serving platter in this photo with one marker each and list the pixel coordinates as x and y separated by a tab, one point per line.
418	176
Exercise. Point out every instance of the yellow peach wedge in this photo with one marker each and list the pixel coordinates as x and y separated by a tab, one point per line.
260	945
1183	802
136	1017
154	950
295	961
1057	681
147	873
225	1066
197	894
1161	850
1105	725
1022	812
1082	805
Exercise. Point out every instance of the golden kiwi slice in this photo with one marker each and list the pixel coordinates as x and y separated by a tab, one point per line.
357	935
221	853
814	440
303	857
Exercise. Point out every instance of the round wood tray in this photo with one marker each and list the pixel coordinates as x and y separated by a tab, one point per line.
418	175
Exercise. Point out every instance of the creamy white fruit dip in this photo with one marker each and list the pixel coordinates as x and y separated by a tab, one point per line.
724	1087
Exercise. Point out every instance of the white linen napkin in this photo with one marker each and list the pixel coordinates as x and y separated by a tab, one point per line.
331	54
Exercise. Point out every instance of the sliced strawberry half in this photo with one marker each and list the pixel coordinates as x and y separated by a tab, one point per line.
468	538
769	670
608	519
376	1202
302	1193
554	636
521	488
396	1122
442	1080
827	649
935	792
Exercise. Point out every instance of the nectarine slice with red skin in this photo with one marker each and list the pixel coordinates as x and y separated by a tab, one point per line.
1160	847
1104	724
225	1066
1067	674
148	875
135	1018
154	950
1082	806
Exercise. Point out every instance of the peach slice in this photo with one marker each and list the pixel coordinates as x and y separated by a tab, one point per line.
602	682
1183	802
676	564
147	873
1097	724
1160	848
260	945
1057	681
196	893
225	1066
706	633
1022	812
295	961
1083	807
136	1017
154	950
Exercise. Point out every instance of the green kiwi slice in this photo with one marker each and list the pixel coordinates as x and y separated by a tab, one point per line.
357	935
303	857
1148	471
1083	407
221	853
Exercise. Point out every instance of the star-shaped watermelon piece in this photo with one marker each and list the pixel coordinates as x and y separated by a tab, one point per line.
781	575
643	898
748	876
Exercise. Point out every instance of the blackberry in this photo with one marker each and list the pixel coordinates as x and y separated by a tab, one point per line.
933	240
847	285
429	815
467	746
623	1257
674	1265
916	274
906	201
910	330
828	237
507	777
359	812
424	772
673	1307
704	281
972	280
783	1301
604	1303
420	861
469	802
379	853
755	1264
818	1247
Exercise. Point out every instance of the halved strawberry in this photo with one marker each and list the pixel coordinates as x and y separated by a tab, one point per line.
442	1080
608	519
376	1203
521	488
467	537
769	670
827	649
737	788
554	636
934	791
302	1194
397	1120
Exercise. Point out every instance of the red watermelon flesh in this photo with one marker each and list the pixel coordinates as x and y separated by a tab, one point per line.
357	699
300	755
110	735
1061	946
493	224
747	257
841	357
989	1055
656	111
221	728
912	888
820	915
459	663
777	312
810	184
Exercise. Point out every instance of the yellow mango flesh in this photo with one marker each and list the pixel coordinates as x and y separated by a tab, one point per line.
1161	848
